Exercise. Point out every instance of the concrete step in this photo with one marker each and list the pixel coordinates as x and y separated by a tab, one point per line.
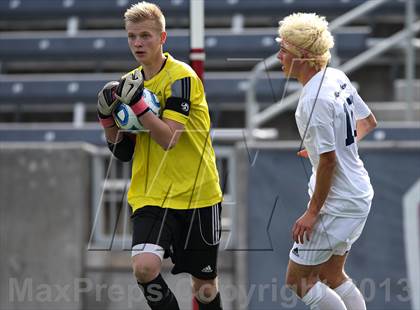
395	111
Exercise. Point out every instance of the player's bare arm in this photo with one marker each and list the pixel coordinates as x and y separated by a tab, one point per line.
165	132
365	126
324	175
112	134
303	226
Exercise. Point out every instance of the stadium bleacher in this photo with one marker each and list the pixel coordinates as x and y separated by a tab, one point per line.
23	9
94	135
70	89
99	47
45	64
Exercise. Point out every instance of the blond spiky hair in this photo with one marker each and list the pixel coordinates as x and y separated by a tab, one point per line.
309	37
145	11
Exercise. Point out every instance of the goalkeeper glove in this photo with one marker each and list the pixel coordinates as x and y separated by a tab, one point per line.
107	101
130	91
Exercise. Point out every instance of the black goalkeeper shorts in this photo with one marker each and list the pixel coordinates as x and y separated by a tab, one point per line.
190	237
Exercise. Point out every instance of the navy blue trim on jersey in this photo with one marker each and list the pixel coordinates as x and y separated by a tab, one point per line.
180	96
186	88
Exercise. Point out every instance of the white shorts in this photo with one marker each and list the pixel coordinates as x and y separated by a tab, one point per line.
331	235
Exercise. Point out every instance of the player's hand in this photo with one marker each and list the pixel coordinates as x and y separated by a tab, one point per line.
107	100
303	153
107	103
303	227
130	88
130	91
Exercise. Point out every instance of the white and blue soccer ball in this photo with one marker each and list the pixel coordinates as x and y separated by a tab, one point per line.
126	119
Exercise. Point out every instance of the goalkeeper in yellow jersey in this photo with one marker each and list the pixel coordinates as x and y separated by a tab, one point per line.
174	193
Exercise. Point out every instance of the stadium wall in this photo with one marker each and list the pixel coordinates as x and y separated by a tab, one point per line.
276	190
45	197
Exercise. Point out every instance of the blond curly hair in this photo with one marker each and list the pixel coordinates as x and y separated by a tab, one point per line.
307	36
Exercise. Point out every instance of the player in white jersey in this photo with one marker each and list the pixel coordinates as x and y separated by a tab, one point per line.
331	118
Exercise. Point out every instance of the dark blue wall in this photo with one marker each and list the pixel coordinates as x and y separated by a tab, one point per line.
376	261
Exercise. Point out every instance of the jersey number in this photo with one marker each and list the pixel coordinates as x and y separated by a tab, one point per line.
351	133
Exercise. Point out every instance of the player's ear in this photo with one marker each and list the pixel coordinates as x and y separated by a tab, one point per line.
163	36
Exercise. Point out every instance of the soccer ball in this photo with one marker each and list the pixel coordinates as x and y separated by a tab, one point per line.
126	119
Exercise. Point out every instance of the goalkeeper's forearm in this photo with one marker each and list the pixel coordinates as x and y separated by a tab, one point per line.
112	134
120	144
124	149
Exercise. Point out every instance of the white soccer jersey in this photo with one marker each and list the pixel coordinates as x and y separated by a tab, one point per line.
332	127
